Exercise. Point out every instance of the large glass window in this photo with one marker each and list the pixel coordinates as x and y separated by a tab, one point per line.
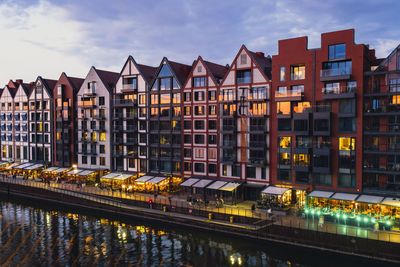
298	72
165	99
336	68
347	106
322	179
347	155
258	109
283	108
258	93
228	94
243	76
301	107
337	51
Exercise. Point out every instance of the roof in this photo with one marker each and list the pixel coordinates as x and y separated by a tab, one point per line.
148	72
109	78
264	63
27	88
218	71
50	84
181	71
384	61
76	82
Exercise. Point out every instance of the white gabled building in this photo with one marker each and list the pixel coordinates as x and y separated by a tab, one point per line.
94	120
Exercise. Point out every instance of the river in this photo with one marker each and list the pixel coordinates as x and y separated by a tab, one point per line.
40	234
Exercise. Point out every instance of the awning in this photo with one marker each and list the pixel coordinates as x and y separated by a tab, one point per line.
344	196
74	171
320	194
86	172
217	185
3	163
229	187
60	170
9	167
274	190
391	201
370	199
24	165
189	182
157	180
144	179
51	169
202	183
33	167
117	176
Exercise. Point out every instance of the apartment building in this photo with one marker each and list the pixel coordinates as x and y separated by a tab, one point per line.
317	113
7	121
200	119
41	121
381	164
65	126
244	119
130	117
165	132
94	119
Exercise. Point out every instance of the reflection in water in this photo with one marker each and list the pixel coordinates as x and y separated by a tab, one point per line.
33	236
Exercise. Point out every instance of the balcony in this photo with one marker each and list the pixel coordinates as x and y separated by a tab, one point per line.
257	145
383	149
385	110
301	123
340	92
128	87
87	104
322	123
335	74
388	169
125	102
87	152
322	159
288	95
257	161
101	117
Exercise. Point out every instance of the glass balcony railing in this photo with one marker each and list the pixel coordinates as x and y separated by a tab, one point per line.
339	90
288	93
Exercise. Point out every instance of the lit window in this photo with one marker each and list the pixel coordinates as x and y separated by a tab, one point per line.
297	72
347	143
285	142
282	74
103	137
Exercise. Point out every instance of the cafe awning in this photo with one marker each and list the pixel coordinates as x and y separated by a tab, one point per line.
344	196
51	169
24	165
33	167
60	170
74	171
3	163
117	176
274	190
391	201
86	172
217	185
157	180
320	194
370	199
189	182
144	179
229	187
202	183
9	167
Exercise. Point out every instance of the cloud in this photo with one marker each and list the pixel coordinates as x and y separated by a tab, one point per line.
47	37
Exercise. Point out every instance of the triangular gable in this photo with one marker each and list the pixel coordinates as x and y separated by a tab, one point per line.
7	92
163	70
387	59
22	91
48	92
243	59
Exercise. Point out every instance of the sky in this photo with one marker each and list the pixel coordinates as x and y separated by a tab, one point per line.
46	38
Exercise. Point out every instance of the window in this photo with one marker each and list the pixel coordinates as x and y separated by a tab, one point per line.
337	51
243	59
198	96
199	139
347	106
298	72
300	125
347	155
346	180
302	177
212	125
199	110
199	125
301	107
102	161
243	76
258	109
212	139
129	83
199	167
336	68
103	136
258	93
284	125
236	170
212	95
187	166
321	125
331	88
142	99
102	149
320	161
251	172
228	95
187	153
84	160
187	111
301	160
101	101
165	99
154	99
347	124
322	179
165	84
187	125
199	81
282	74
212	168
297	90
398	62
283	108
93	160
284	175
187	139
187	96
176	98
212	110
212	153
199	153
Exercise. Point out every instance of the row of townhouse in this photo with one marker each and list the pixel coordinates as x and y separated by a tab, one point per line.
322	118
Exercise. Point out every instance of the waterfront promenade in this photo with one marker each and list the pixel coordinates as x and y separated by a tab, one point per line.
178	206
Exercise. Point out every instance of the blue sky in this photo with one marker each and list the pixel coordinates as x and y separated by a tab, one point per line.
45	38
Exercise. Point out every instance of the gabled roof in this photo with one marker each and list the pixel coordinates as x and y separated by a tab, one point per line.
218	71
180	71
75	83
107	77
48	85
147	72
385	61
27	87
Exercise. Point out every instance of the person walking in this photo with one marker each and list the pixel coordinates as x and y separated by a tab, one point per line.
321	221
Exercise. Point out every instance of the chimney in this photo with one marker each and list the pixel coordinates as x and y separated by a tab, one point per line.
19	81
261	54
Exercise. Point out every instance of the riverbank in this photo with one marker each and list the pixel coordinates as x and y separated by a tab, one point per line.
261	230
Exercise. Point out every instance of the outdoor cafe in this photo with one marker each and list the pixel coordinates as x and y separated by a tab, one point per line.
283	198
354	209
117	180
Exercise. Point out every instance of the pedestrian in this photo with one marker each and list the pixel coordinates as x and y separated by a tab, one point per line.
376	227
269	212
253	207
150	203
321	221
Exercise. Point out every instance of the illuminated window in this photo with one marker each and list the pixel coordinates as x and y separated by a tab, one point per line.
199	110
212	95
301	160
212	153
176	98
212	110
103	137
187	111
297	72
199	153
302	107
283	108
282	74
347	143
142	99
257	109
94	137
58	135
165	99
102	161
285	142
154	99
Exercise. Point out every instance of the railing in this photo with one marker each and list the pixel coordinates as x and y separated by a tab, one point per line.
339	90
335	72
288	93
129	86
125	102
